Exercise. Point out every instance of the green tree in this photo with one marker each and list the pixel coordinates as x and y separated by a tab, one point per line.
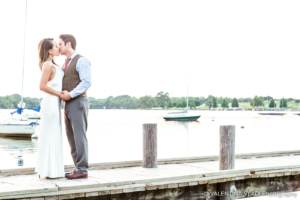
254	102
283	103
109	101
197	101
123	100
183	104
12	101
178	105
191	101
93	101
224	103
214	102
209	99
261	101
209	103
162	99
147	102
220	100
170	105
257	101
32	102
272	104
235	103
192	105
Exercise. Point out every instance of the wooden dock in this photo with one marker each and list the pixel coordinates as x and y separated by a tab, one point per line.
178	178
225	176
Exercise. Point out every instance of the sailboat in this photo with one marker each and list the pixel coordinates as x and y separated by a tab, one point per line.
32	113
19	125
182	115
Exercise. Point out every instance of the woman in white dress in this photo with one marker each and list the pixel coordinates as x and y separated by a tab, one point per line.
50	162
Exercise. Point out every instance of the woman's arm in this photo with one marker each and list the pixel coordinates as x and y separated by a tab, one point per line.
46	72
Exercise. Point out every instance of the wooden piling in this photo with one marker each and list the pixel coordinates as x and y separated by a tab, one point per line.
227	159
227	147
149	145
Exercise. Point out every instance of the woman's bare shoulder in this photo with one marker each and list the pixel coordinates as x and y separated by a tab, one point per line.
47	66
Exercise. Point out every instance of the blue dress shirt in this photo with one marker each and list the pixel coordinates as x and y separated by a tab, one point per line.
83	67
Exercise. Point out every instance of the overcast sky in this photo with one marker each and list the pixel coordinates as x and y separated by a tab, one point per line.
231	48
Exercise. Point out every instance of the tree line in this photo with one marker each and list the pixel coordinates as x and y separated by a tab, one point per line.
162	99
11	101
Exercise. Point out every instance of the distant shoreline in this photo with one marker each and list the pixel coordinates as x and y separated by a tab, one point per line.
163	100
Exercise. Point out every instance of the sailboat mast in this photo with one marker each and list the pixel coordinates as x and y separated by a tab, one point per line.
187	85
24	53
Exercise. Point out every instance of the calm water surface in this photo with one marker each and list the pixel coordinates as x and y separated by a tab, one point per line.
116	135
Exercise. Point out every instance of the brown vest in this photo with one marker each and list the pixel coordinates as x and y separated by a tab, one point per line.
71	78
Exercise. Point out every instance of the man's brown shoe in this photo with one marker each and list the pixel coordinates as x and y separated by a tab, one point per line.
76	175
69	173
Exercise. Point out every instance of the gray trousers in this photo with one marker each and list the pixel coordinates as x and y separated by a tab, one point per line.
76	113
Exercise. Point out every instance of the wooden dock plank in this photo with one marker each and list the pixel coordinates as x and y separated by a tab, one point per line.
75	184
113	165
20	190
134	179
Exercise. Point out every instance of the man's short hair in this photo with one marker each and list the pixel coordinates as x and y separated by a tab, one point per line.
68	38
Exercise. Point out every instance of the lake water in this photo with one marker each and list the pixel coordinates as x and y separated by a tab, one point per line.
116	135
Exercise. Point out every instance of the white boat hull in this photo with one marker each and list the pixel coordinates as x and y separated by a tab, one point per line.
20	130
32	115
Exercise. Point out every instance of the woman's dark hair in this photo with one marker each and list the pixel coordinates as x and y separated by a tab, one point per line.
44	46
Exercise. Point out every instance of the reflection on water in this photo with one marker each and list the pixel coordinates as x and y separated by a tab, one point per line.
20	161
14	149
116	135
185	124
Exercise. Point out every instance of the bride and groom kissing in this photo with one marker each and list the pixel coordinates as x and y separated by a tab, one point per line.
70	83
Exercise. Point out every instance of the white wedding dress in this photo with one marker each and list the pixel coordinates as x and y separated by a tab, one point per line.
50	161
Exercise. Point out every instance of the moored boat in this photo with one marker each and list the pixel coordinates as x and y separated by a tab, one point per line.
182	116
17	127
272	114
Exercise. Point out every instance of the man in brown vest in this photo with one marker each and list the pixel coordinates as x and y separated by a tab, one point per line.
76	82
